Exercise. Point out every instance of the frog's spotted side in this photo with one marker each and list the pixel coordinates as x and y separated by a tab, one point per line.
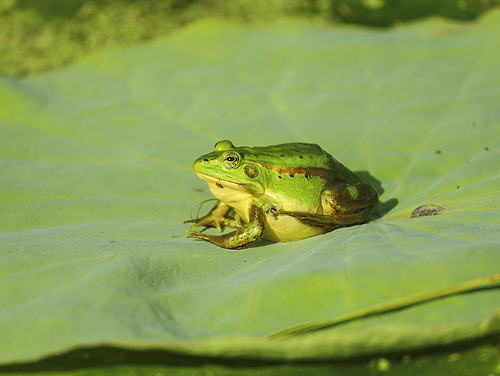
281	192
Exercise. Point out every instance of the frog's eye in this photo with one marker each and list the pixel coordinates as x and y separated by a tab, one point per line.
231	160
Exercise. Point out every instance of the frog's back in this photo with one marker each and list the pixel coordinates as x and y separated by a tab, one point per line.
300	158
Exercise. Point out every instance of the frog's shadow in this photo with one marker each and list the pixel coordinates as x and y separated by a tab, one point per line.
384	207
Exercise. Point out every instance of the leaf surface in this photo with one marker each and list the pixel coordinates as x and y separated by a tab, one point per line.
96	179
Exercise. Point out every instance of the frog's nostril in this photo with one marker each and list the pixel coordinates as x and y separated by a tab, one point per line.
205	160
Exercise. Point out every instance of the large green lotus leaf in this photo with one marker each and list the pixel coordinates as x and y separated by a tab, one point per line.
96	180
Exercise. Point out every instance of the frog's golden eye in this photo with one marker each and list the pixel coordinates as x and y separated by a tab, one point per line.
231	160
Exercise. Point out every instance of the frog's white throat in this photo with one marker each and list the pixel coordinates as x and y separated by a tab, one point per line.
236	195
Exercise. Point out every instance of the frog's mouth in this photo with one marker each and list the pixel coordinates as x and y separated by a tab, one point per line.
219	182
212	181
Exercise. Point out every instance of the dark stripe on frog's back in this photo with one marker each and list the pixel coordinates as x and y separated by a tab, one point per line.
316	172
303	159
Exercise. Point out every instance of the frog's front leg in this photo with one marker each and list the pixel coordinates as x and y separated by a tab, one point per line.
240	238
216	217
342	205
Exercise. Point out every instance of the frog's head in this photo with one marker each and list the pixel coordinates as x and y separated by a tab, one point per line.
226	167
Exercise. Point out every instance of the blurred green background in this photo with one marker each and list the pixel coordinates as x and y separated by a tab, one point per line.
39	35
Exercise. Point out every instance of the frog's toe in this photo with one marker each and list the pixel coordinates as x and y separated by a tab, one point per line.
209	222
201	235
195	234
217	225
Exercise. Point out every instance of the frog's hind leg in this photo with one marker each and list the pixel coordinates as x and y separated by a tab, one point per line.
350	204
341	205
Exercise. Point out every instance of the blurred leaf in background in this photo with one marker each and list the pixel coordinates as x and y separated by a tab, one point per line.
36	35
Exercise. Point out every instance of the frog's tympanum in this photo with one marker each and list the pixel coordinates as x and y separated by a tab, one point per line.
281	193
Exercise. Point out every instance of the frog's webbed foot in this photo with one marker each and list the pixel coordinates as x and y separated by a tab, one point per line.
241	237
216	218
216	222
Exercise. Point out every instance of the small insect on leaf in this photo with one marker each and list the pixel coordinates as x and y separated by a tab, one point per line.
426	210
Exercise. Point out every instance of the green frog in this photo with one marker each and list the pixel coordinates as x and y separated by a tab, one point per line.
281	192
